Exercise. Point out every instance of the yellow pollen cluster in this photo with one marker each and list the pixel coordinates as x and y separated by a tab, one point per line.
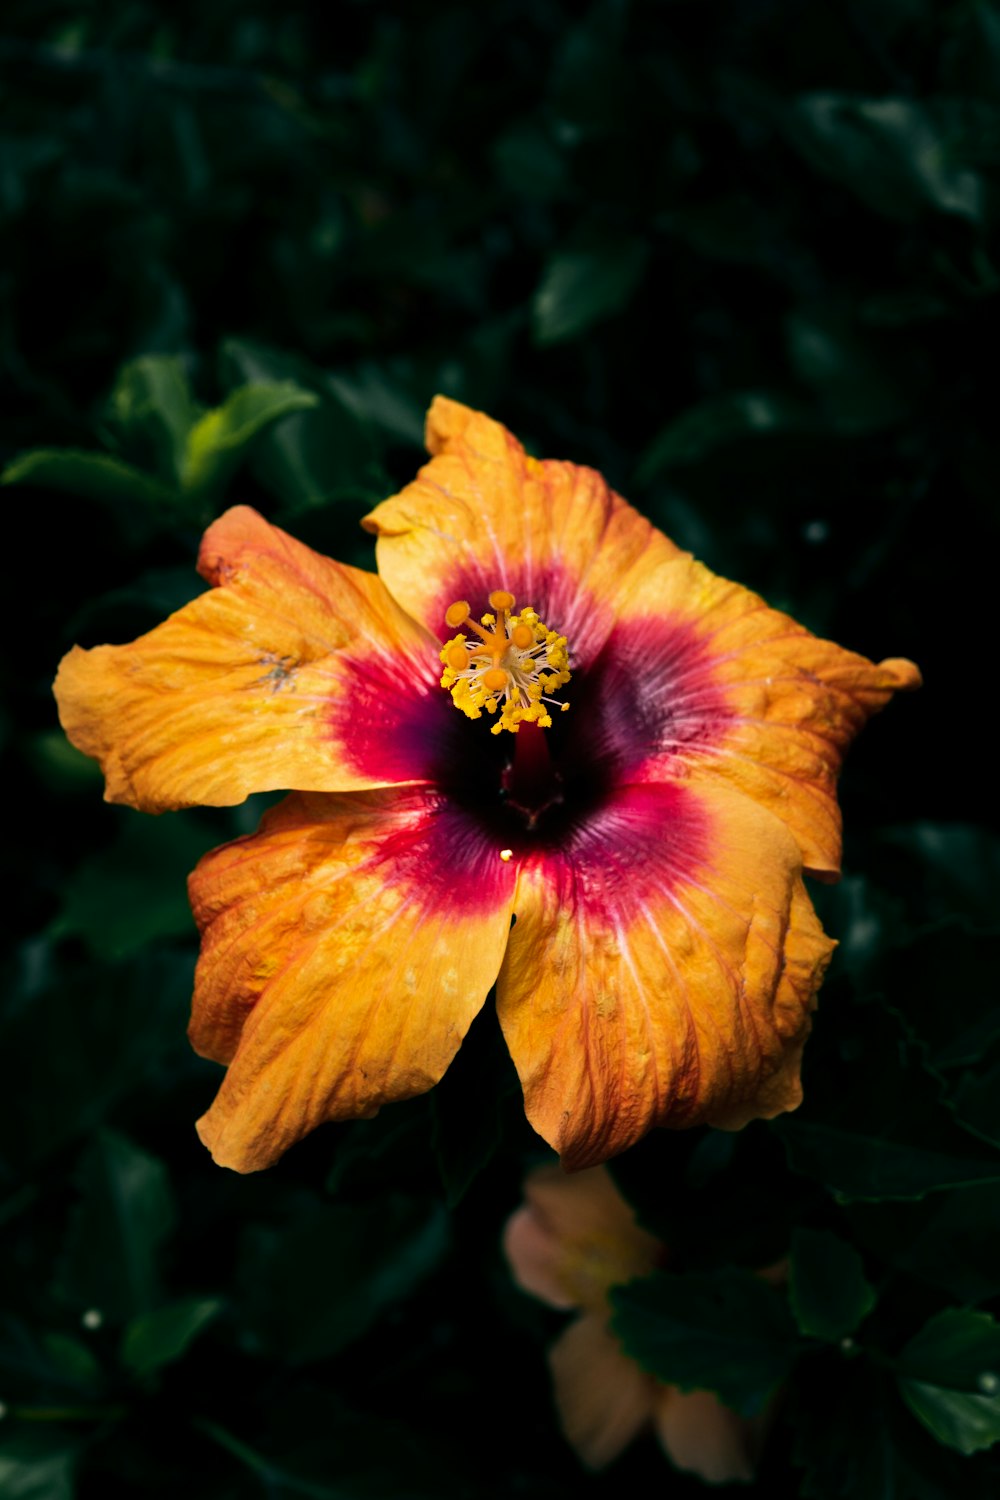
509	666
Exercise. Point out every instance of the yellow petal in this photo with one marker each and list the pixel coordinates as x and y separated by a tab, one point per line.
603	1398
703	1436
346	948
661	973
724	681
575	1238
270	680
484	515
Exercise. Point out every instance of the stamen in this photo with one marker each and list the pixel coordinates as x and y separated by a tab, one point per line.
511	670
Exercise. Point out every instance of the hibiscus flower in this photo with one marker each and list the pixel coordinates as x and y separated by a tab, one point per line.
574	1239
627	869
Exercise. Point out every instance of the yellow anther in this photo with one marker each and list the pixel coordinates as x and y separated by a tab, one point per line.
510	670
506	855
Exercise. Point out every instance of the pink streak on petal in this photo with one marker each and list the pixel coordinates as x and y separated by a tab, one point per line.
646	838
391	719
439	858
650	691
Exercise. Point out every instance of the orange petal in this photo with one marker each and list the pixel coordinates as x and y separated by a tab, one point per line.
484	515
346	948
661	972
270	680
724	681
575	1238
703	1436
603	1398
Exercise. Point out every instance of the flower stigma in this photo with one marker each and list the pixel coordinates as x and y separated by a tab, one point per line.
510	670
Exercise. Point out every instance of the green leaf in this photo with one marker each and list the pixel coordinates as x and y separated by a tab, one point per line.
873	1125
946	958
828	1290
60	765
958	1348
894	153
725	1331
857	386
976	1102
701	429
273	1477
943	869
159	1337
73	1363
581	287
949	1376
95	476
87	1035
865	920
217	442
126	1212
590	84
36	1466
735	228
152	408
384	1150
855	1441
150	596
530	162
857	1165
956	1418
320	1284
380	396
949	1240
313	456
135	892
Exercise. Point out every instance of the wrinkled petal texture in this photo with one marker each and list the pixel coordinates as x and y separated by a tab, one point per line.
346	948
484	515
284	675
661	971
602	1396
575	1238
701	672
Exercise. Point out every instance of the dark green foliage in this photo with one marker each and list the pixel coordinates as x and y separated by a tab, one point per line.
743	259
826	1285
948	1377
726	1331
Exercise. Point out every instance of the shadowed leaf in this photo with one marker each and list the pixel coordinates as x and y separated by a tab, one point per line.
724	1331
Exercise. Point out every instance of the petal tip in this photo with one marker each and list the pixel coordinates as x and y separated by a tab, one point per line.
906	673
446	422
226	1152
